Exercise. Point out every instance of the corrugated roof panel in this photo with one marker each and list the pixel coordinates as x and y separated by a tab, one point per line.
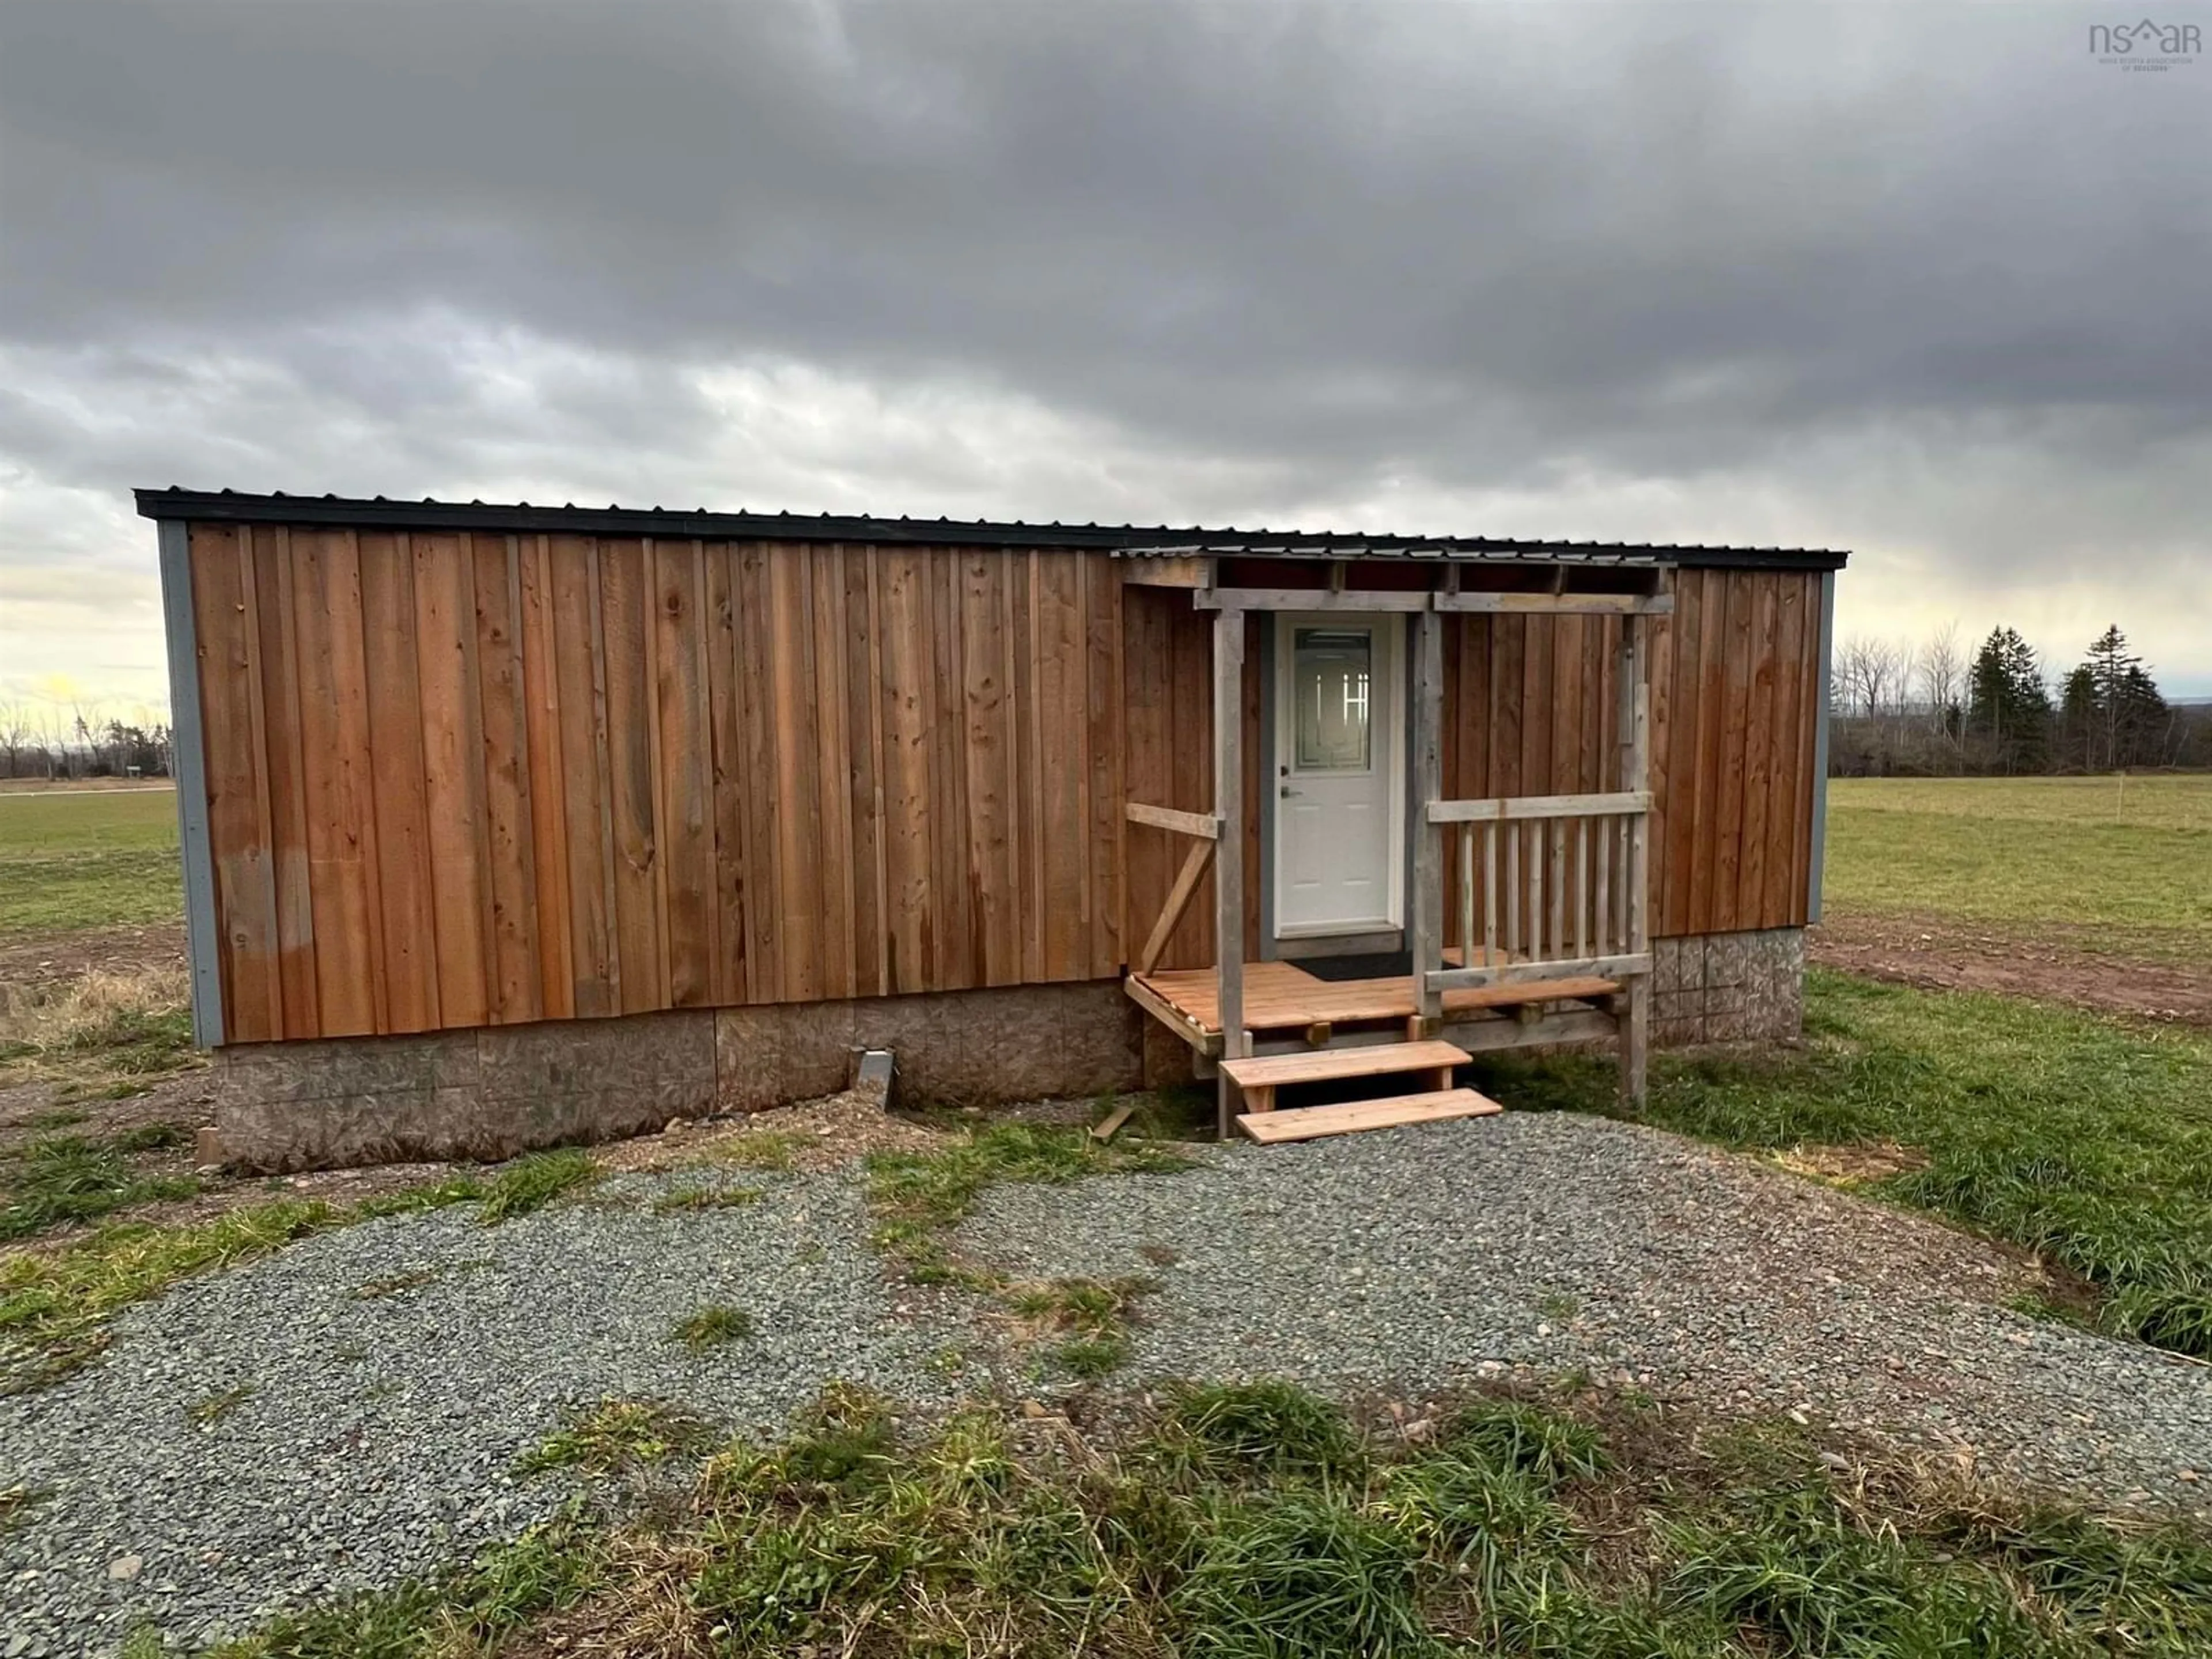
1122	541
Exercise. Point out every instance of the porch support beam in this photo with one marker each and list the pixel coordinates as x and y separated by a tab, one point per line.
1633	668
1226	599
1559	605
1168	573
1428	896
1229	849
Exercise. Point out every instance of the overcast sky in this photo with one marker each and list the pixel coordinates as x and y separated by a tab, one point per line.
1931	283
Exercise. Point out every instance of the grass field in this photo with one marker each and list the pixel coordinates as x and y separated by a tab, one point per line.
79	860
2124	865
1257	1521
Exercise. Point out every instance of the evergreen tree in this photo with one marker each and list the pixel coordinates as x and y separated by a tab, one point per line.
2078	722
2144	719
2114	711
2008	710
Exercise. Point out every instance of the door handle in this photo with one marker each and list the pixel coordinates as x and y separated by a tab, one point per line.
1288	792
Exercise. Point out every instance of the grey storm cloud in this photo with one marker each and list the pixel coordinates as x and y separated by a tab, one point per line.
1923	274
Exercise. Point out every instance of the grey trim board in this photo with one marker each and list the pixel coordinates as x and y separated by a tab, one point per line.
1820	746
188	761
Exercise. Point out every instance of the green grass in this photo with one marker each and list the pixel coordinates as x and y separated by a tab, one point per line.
689	1200
1564	1529
616	1435
54	1305
531	1183
78	860
918	1198
712	1327
755	1149
553	1566
2095	862
58	1181
2085	1140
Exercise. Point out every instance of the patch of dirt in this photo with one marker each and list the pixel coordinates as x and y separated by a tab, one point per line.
1943	954
815	1134
29	965
1853	1165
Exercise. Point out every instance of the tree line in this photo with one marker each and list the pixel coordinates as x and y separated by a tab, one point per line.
1936	709
46	741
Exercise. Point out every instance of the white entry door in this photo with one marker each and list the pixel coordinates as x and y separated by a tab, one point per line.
1338	746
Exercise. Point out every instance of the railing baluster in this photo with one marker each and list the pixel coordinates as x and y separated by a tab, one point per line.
1536	893
1489	893
1558	863
1582	887
1512	833
1604	882
1466	895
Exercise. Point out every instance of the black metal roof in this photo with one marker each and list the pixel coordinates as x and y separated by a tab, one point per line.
1134	541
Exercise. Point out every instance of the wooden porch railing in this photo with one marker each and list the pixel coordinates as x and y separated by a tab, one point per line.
1550	887
1560	883
1207	829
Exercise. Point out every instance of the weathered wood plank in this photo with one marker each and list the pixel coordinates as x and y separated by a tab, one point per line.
832	765
864	779
580	687
1556	604
1186	880
1758	752
224	598
284	751
407	882
1057	739
625	608
1538	806
1202	825
340	791
548	821
683	696
910	703
453	779
511	842
996	857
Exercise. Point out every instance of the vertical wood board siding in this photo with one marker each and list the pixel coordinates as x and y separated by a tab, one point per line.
459	779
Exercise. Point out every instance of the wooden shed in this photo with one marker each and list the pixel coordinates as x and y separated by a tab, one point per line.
510	824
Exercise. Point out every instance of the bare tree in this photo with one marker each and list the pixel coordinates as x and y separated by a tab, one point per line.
1943	667
1872	674
14	737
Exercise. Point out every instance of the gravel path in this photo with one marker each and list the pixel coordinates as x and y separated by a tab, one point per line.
1426	1256
379	1436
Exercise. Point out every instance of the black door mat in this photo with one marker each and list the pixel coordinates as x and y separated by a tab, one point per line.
1376	965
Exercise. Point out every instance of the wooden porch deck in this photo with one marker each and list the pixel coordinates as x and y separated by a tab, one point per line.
1281	996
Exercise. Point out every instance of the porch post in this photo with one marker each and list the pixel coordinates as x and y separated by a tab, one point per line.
1428	896
1229	849
1635	707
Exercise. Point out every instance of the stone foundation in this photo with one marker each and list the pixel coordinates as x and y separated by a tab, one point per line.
493	1092
1728	988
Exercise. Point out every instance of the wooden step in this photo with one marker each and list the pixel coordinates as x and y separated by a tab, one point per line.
1257	1077
1311	1123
